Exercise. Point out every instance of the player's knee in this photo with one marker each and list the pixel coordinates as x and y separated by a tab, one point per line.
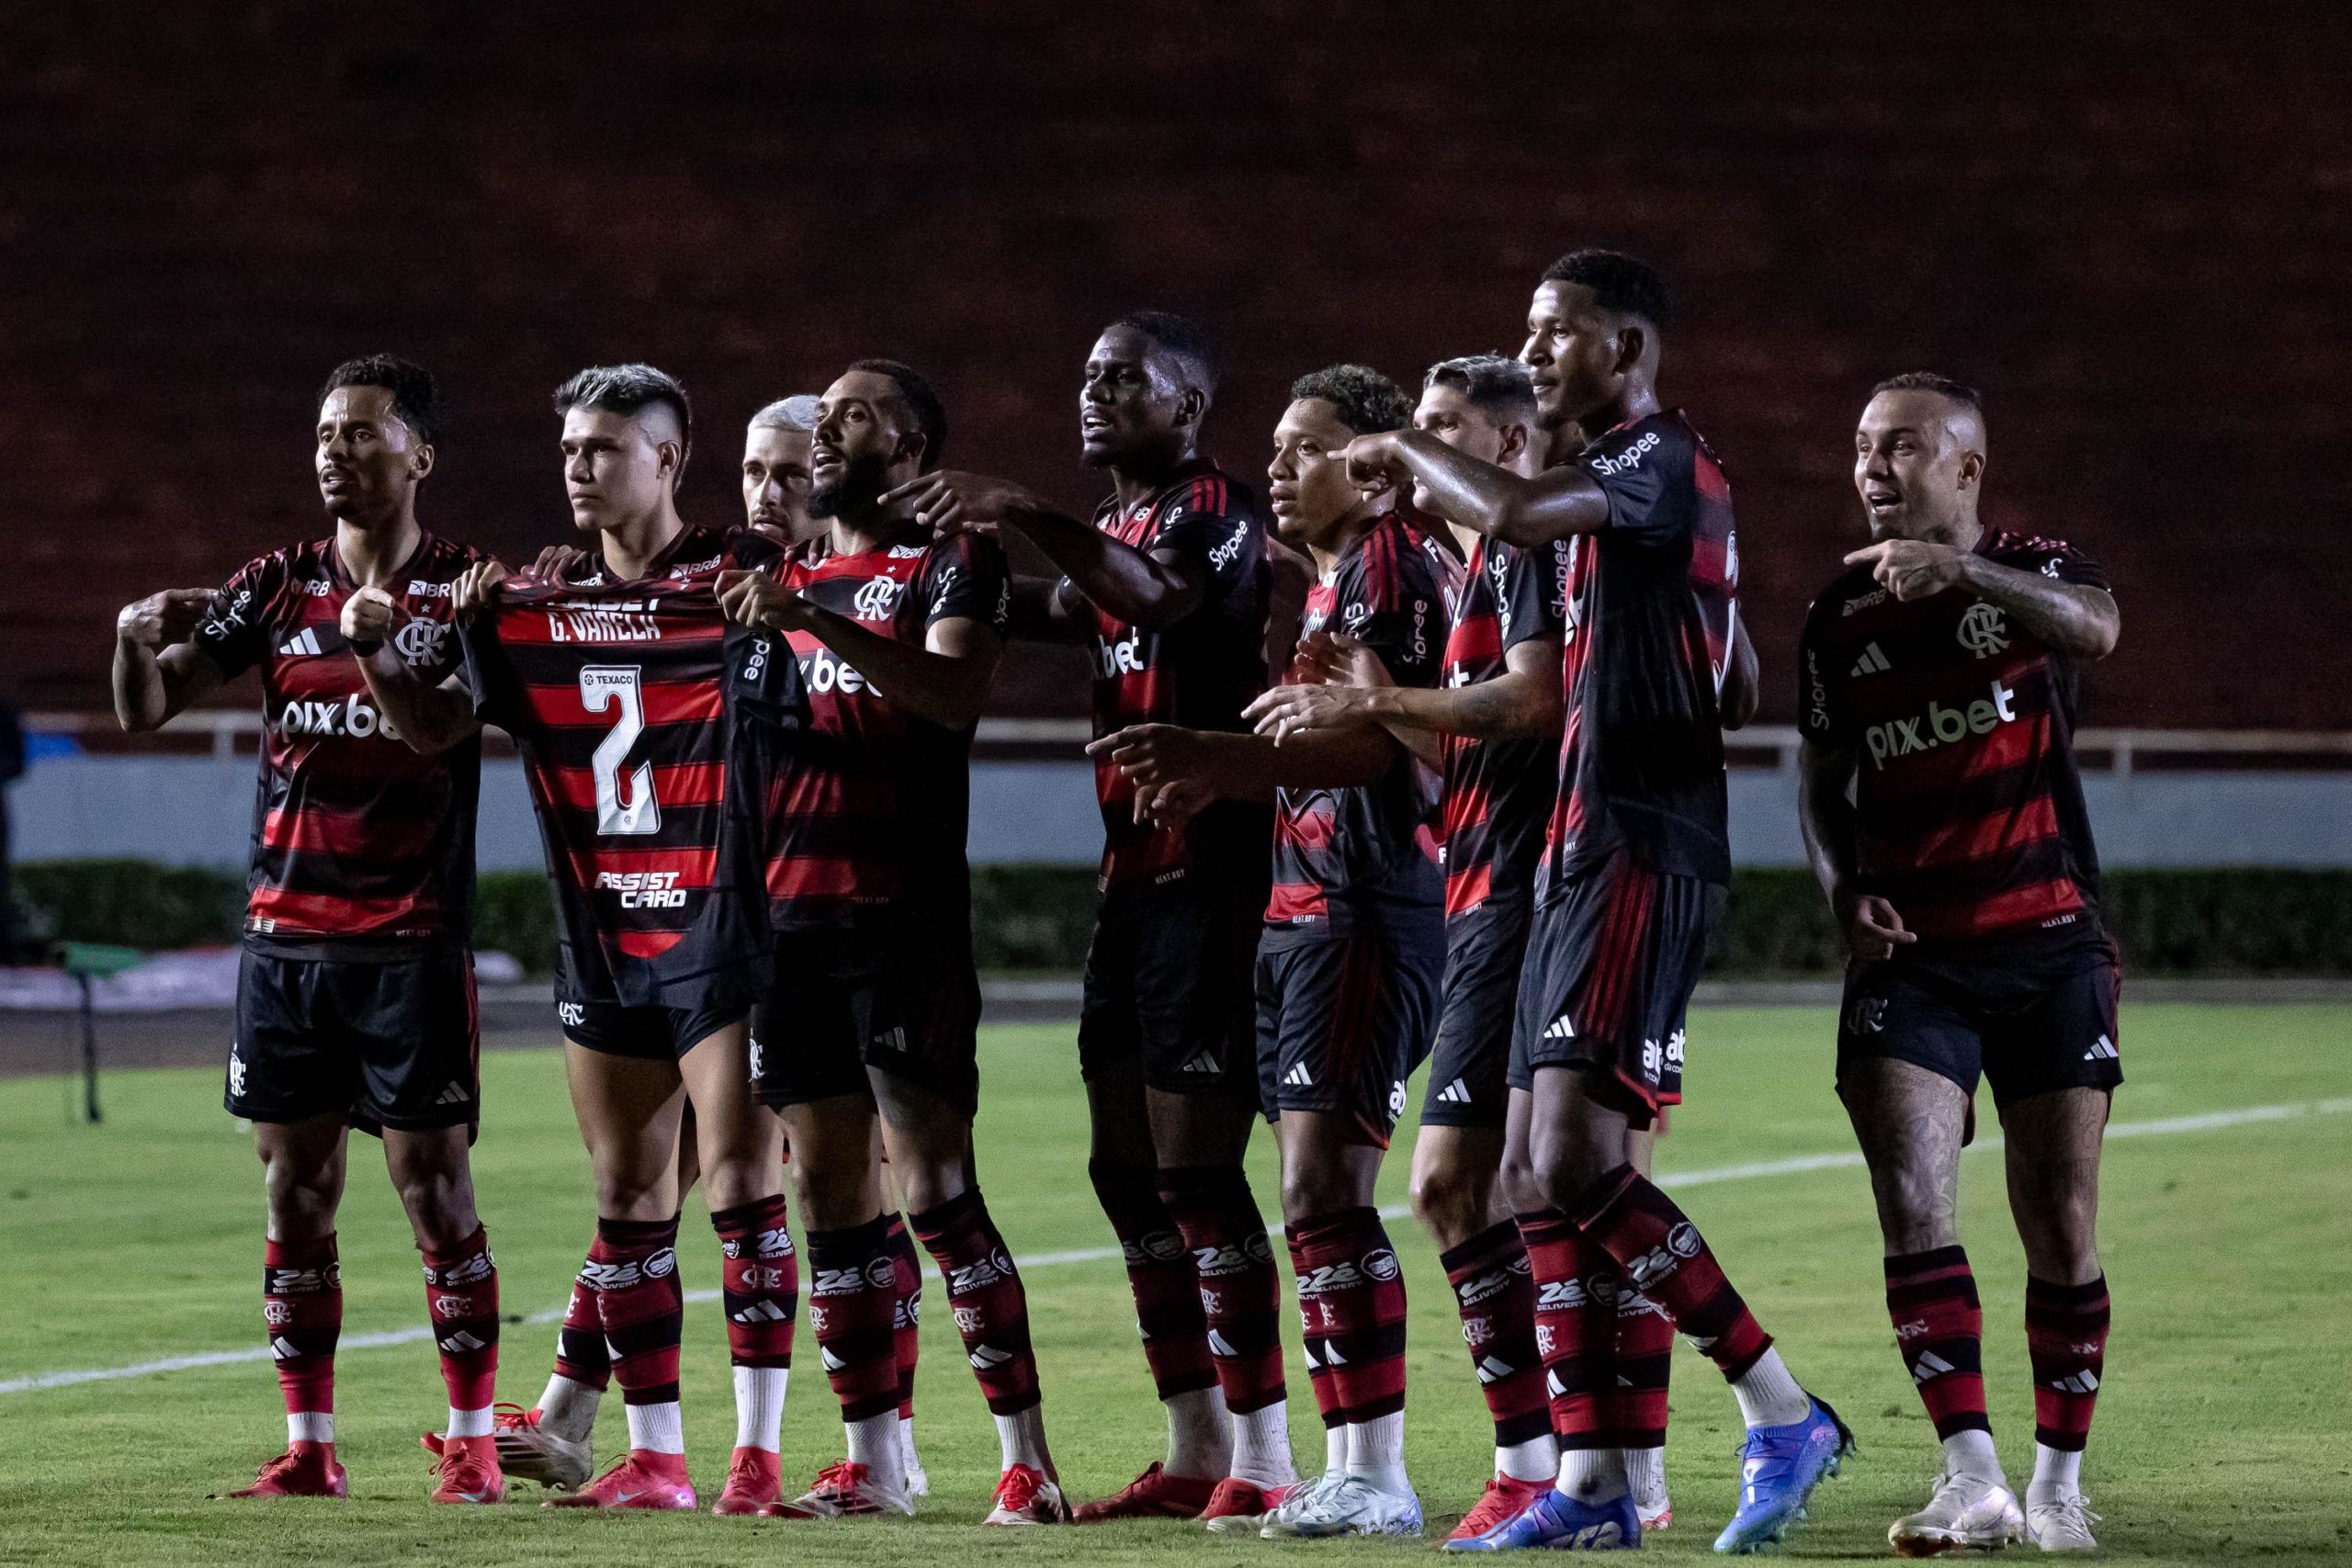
1449	1198
1915	1211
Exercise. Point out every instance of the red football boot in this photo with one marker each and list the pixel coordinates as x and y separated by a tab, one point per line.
754	1482
1154	1495
1242	1508
1025	1497
467	1468
643	1479
306	1470
1504	1498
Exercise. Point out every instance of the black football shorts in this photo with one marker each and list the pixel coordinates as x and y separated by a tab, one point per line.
1470	1068
1170	984
1344	1017
843	1001
648	1033
383	1040
1612	961
2031	1014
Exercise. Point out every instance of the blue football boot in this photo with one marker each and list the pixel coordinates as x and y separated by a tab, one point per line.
1778	1468
1558	1522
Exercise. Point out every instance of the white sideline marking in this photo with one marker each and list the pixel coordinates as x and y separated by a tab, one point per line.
2206	1121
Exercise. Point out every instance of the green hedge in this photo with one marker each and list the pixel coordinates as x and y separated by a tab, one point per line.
1035	917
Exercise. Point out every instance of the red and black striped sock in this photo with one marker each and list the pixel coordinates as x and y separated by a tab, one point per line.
1655	1244
1352	1282
1939	1329
1576	1327
2065	1338
906	1307
1635	1408
462	1296
1494	1290
642	1309
853	1287
759	1283
1232	1266
1160	1276
1314	1332
302	1306
984	1291
581	1354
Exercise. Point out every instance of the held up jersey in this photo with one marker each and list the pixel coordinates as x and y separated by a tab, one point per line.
628	701
358	841
1498	792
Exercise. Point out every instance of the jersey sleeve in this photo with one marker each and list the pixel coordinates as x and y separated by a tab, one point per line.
1531	586
2057	558
235	634
1822	713
966	578
1394	609
1212	528
482	667
1652	484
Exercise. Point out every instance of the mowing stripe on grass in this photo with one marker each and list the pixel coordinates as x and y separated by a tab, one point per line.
2206	1121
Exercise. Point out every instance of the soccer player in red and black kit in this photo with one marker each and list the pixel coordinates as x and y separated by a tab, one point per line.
873	1014
622	685
1353	941
1635	860
1936	683
1491	730
356	990
1167	589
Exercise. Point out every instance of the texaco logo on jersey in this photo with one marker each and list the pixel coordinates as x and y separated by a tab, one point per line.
1982	630
875	601
420	641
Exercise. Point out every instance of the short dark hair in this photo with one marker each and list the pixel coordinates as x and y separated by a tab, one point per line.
1621	285
417	397
1501	388
1931	382
920	400
1182	336
628	389
1368	401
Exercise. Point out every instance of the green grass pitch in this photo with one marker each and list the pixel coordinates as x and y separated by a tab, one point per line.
2225	1429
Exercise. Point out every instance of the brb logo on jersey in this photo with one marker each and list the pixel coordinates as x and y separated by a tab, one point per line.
1940	726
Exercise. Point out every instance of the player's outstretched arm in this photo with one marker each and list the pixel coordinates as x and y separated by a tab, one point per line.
1499	503
1166	759
1351	685
1149	588
1034	611
1871	927
2072	616
945	678
431	715
157	671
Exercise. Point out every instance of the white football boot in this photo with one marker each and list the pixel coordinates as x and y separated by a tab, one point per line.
1349	1505
2061	1523
1965	1511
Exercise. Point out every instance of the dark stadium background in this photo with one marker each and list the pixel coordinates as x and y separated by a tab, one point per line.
2126	222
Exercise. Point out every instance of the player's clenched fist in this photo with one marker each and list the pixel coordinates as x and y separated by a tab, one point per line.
1374	466
755	599
367	616
162	619
477	588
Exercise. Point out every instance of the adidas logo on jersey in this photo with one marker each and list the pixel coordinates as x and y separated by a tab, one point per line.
303	644
2102	1050
1298	1078
1455	1093
1874	661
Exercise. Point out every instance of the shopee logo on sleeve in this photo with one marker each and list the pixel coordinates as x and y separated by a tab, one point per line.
1627	460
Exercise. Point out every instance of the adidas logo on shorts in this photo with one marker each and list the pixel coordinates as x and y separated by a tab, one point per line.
1455	1093
1298	1078
456	1094
2102	1050
1203	1062
1560	1029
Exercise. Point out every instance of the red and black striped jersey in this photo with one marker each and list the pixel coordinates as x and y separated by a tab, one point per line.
1343	853
1498	792
625	698
1649	617
864	807
355	835
1199	672
1969	809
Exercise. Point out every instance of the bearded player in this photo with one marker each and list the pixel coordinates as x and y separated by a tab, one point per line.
1635	862
1167	587
1938	684
1350	958
872	1021
355	989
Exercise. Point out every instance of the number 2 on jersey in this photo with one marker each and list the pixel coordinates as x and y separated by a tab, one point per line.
600	687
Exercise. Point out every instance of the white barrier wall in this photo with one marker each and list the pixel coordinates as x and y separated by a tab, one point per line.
198	811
